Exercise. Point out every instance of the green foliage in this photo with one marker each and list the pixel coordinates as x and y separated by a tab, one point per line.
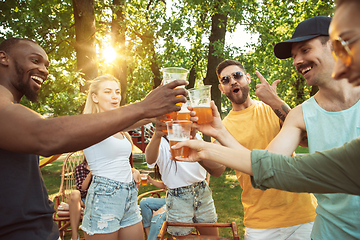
50	23
156	37
275	21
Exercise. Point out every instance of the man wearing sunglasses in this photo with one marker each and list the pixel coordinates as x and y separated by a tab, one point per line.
330	118
330	171
271	214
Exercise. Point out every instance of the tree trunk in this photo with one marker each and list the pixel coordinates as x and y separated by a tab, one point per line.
217	37
192	77
84	16
154	66
118	29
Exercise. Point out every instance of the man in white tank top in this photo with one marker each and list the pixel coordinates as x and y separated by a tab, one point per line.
334	103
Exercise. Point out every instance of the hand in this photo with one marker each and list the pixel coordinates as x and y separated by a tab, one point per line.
148	177
264	91
163	99
197	150
212	129
160	127
136	177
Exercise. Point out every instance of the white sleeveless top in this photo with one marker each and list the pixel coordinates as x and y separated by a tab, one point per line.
110	159
175	174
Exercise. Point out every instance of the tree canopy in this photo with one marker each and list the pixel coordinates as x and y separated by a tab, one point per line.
149	35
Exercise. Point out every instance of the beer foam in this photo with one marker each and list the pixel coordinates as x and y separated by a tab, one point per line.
203	105
179	139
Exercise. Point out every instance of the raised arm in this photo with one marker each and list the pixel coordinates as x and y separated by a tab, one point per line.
268	95
330	171
152	149
23	130
290	134
238	159
215	129
215	169
236	156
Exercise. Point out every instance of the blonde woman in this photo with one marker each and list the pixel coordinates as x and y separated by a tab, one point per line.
111	211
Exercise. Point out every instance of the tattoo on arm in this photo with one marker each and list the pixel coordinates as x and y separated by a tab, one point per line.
285	108
279	114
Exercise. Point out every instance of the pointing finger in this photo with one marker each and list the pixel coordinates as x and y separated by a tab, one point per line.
262	79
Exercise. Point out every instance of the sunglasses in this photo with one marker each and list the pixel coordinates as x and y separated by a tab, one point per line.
342	51
236	76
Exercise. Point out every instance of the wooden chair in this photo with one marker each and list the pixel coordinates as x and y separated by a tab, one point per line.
67	184
151	194
199	237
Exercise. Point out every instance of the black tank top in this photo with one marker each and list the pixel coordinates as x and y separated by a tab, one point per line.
25	208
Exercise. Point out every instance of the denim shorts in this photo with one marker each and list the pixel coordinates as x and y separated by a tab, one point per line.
192	203
110	205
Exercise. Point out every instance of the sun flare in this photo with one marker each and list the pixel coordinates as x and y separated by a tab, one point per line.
109	54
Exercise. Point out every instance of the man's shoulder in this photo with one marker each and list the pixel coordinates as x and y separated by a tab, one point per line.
296	118
4	101
296	111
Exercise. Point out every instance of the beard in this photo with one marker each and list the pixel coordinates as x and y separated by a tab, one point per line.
238	101
24	87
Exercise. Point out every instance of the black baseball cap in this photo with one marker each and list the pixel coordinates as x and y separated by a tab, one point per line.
306	30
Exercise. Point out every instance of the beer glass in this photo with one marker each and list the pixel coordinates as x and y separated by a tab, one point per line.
200	98
143	178
170	74
184	113
178	131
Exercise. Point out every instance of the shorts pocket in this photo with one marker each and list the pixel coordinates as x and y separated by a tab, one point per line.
102	189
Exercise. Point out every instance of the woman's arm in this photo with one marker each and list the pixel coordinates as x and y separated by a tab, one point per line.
152	149
86	182
158	184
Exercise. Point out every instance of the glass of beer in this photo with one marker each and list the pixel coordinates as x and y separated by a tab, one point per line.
200	98
184	113
143	178
170	74
178	131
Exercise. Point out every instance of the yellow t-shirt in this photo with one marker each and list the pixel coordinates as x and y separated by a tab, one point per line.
254	128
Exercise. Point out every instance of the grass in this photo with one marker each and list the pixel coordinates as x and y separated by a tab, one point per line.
226	191
51	175
302	150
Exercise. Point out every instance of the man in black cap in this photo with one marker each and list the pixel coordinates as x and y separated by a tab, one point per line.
330	118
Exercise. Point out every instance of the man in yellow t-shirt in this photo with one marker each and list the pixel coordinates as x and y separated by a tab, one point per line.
270	214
